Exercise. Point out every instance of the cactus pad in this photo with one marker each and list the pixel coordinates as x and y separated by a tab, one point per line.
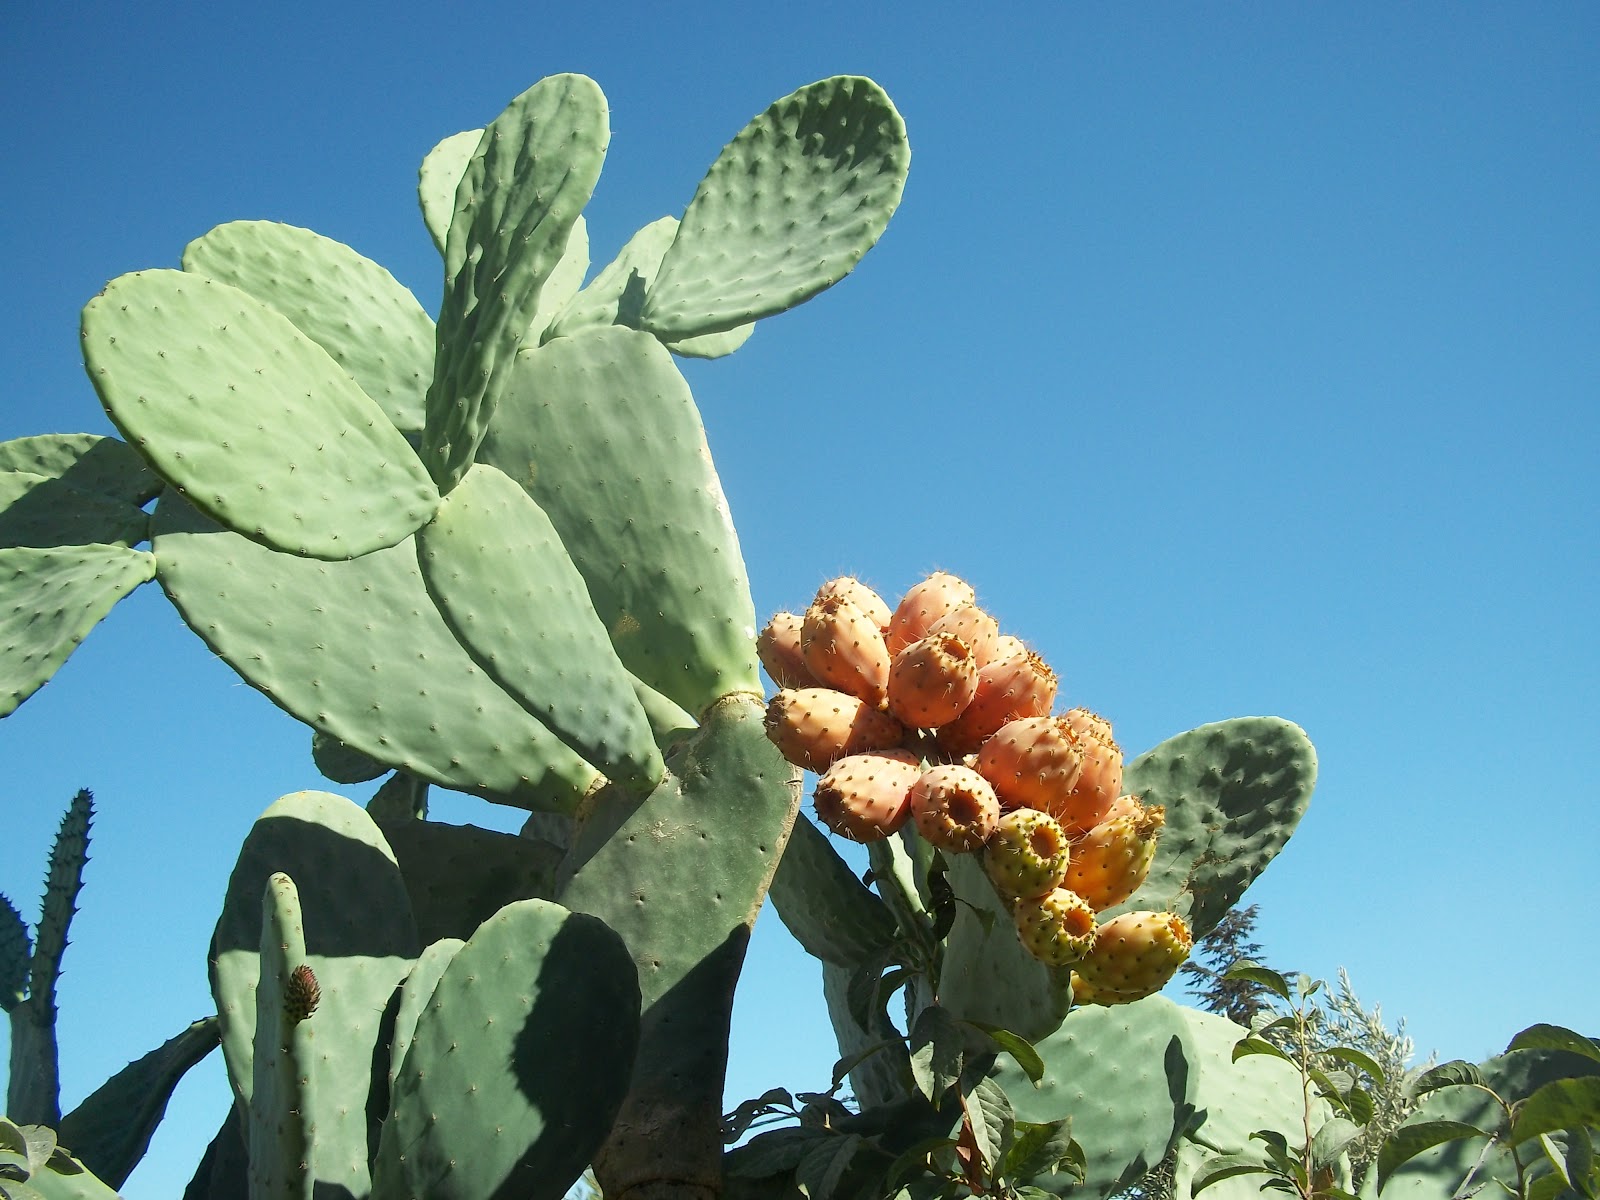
438	178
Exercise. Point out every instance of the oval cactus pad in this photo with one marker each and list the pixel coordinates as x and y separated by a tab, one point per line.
788	209
438	178
249	418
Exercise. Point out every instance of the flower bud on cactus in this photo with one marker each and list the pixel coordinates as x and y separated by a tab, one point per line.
778	648
1033	763
1008	690
1134	956
1100	782
1112	859
844	649
812	727
1057	928
931	681
866	797
954	808
301	994
927	602
848	587
1028	854
976	628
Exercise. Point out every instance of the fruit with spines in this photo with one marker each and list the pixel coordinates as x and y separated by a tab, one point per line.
979	630
778	648
1009	645
850	588
931	681
844	649
925	604
866	797
1100	782
1057	928
1112	859
954	808
1033	762
1028	854
1134	956
1009	689
812	727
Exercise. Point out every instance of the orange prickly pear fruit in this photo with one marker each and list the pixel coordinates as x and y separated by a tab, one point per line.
1057	928
1134	956
1008	689
1027	855
1033	762
1112	859
924	604
778	648
1008	645
1100	782
931	681
865	797
848	587
811	727
976	628
844	649
954	808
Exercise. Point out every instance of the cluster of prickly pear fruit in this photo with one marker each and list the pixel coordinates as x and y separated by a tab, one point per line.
927	714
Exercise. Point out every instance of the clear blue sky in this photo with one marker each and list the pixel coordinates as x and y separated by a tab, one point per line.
1244	358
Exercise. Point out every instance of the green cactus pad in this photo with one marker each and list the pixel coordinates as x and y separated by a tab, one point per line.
68	854
1234	791
43	512
566	277
85	462
284	1138
502	580
820	901
367	321
788	209
1127	1077
720	817
50	598
342	764
518	1063
360	941
16	948
416	993
320	640
882	1078
601	430
111	1129
257	425
438	178
987	976
520	193
34	1167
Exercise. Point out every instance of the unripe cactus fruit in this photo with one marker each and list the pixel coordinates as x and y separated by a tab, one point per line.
1100	782
954	808
865	797
1008	690
1033	762
1028	854
844	649
1057	928
1112	859
1134	956
848	587
813	727
926	603
931	681
976	628
778	648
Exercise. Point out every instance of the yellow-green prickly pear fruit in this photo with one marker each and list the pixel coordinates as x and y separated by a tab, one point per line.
848	587
954	808
844	649
1033	762
1028	854
865	797
926	603
932	680
1057	928
1112	859
1009	688
813	727
1134	956
778	648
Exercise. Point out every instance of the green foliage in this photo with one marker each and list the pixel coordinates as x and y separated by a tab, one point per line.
1237	997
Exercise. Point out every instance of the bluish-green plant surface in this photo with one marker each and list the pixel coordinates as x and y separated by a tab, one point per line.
1242	360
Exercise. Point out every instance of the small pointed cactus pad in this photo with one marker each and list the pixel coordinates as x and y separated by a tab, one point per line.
439	177
787	209
85	462
517	1064
254	421
819	899
367	321
283	1084
39	510
519	196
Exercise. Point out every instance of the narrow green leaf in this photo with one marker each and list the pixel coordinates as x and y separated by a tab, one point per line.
851	1061
773	1153
819	1172
1560	1104
1253	1045
1330	1140
1349	1054
1554	1037
1456	1072
1015	1045
1038	1148
993	1121
1411	1140
936	1052
1265	976
735	1123
1225	1166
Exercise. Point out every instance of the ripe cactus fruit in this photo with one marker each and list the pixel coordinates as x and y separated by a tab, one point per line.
1112	859
1028	854
926	603
931	681
1057	928
865	797
954	808
778	648
1134	956
1100	782
976	628
1009	689
1009	645
813	727
1033	762
844	649
848	587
